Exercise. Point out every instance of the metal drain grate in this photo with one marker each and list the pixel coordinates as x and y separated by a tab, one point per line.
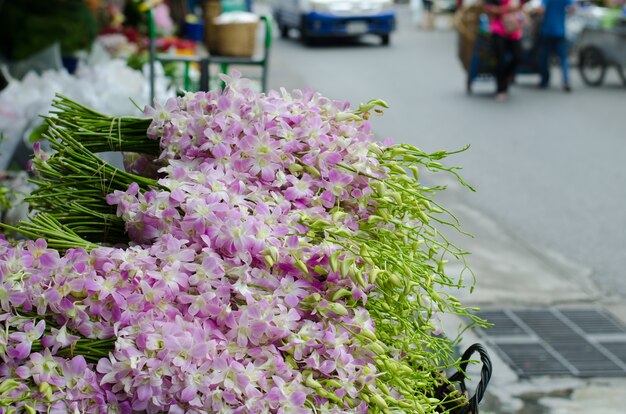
579	342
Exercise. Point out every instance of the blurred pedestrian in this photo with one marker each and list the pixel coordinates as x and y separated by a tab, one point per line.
428	19
506	26
552	40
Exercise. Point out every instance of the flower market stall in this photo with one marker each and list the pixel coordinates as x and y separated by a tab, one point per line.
261	253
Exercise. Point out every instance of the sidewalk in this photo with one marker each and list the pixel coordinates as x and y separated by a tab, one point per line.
512	274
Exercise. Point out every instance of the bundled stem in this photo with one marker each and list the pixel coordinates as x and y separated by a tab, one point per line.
100	133
72	188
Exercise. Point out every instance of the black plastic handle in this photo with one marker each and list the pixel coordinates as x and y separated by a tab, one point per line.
485	376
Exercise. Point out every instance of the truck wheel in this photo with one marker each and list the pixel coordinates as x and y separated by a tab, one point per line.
592	66
384	39
304	35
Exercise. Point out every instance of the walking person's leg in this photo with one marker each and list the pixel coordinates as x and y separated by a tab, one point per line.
499	50
514	51
544	61
561	51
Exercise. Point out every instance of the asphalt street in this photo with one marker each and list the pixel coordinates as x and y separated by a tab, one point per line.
548	166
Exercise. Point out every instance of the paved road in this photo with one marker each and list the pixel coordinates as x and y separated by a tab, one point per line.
547	166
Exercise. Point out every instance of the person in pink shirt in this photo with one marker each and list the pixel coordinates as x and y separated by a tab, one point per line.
506	26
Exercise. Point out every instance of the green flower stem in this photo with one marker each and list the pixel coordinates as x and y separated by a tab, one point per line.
398	249
72	188
98	132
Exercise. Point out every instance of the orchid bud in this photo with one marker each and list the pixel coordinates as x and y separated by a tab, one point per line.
46	390
425	203
312	170
365	254
295	168
333	383
376	347
375	148
372	104
311	382
384	213
8	385
440	265
342	233
347	116
341	293
373	219
345	266
334	261
368	334
397	169
302	266
356	275
383	387
338	308
397	197
379	401
338	215
373	275
379	187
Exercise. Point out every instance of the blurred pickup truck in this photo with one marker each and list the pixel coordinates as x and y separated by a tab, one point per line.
335	18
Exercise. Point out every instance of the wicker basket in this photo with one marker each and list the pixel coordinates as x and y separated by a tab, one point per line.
212	9
227	39
235	39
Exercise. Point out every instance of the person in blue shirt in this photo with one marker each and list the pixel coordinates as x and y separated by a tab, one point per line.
552	40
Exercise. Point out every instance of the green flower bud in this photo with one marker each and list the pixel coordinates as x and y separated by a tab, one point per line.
295	168
338	309
375	148
338	215
368	334
46	390
341	293
397	168
311	382
347	116
425	203
302	266
373	275
345	266
365	254
312	170
342	233
334	261
396	280
8	385
333	383
379	401
356	275
376	347
373	219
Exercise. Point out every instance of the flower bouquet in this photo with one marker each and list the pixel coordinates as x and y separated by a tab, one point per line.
261	254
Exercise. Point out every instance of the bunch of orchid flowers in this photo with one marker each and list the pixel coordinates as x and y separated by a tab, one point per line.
279	261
